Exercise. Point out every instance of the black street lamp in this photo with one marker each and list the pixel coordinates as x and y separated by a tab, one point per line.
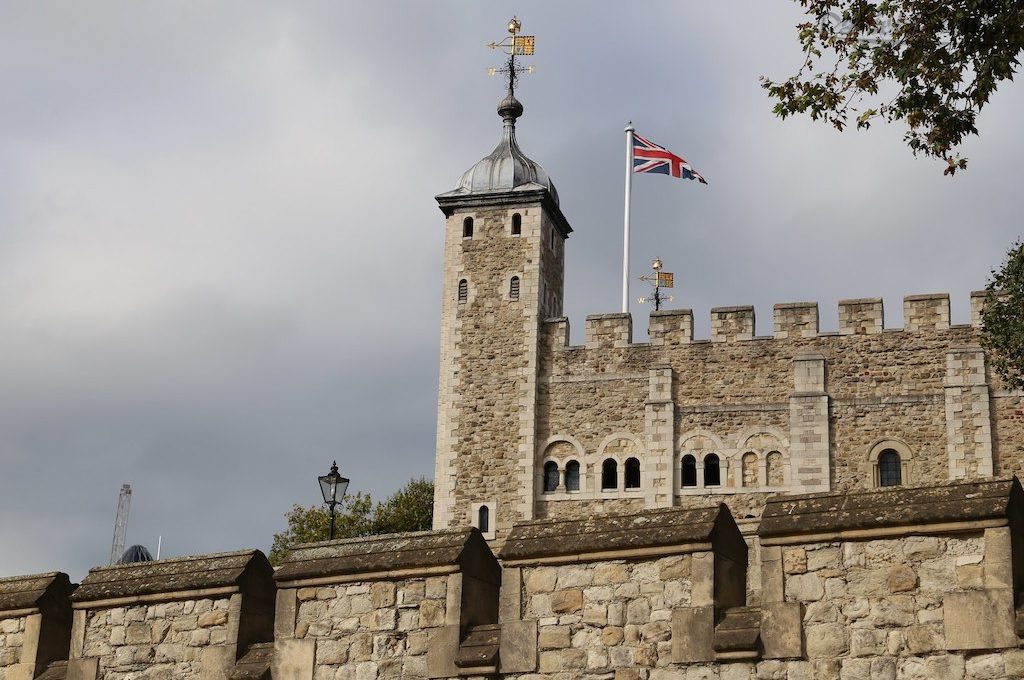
333	486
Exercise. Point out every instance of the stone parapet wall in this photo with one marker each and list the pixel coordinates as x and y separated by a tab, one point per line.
191	617
12	640
905	584
374	629
35	625
168	639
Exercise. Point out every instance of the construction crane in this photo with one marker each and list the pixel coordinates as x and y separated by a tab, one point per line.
124	502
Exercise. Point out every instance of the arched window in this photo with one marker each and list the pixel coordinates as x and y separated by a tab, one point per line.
467	228
463	290
773	465
513	288
609	475
689	469
712	470
483	519
749	463
517	224
550	476
572	476
552	238
632	473
890	468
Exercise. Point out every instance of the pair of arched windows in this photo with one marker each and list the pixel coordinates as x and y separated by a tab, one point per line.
712	470
513	289
552	476
517	226
610	474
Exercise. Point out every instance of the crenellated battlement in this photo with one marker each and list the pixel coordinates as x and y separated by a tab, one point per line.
790	321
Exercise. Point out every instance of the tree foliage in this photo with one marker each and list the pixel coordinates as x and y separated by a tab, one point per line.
1003	318
932	64
411	508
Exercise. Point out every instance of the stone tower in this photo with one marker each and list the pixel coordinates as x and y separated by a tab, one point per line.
503	276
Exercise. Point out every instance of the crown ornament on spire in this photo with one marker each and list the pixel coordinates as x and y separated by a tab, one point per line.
515	45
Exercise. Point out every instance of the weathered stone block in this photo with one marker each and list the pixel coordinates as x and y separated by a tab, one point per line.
442	652
693	634
566	601
518	647
83	669
962	613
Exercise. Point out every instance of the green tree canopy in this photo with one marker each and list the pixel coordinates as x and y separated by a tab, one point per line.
1003	318
411	508
932	64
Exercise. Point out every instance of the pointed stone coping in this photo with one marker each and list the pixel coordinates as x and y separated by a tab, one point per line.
22	595
951	507
172	579
667	531
390	556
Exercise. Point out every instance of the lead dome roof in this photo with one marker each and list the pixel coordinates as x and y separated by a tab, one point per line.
506	168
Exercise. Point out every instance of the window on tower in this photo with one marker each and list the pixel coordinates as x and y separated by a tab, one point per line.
712	470
572	476
609	475
467	228
463	290
517	224
483	522
890	469
632	473
550	476
513	288
689	471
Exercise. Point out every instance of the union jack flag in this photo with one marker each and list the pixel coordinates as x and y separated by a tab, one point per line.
649	157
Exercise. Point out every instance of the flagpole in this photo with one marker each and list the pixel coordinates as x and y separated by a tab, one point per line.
625	225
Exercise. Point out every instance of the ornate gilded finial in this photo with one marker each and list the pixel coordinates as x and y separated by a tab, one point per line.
514	45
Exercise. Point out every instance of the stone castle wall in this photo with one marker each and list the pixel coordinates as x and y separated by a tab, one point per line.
797	411
372	628
908	584
160	640
12	639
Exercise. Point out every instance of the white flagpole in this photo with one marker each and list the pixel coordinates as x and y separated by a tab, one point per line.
625	227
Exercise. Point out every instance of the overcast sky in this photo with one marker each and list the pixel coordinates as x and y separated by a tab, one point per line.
220	257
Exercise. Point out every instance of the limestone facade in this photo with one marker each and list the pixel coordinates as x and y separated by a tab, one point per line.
733	418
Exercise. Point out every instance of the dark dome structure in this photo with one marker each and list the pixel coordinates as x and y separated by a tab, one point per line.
136	553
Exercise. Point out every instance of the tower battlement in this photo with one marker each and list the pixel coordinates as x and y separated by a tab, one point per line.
790	321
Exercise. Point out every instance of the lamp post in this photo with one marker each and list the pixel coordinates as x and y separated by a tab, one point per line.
333	486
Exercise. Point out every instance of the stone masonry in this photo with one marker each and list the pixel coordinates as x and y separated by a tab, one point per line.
901	584
732	419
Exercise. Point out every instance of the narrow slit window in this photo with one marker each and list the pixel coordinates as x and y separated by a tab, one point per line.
689	470
467	228
609	475
632	473
712	470
483	520
513	288
550	476
517	224
463	290
572	476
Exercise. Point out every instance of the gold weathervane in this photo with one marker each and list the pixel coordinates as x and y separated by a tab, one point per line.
514	45
659	280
